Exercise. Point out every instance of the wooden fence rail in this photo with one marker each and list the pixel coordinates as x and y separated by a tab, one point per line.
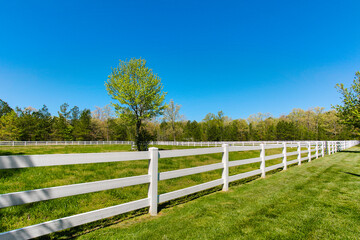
152	178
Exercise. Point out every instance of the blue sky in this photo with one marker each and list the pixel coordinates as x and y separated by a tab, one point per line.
241	57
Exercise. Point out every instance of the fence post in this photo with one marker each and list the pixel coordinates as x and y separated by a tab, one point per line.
299	153
309	151
153	186
328	148
262	156
336	146
323	149
284	158
316	150
225	161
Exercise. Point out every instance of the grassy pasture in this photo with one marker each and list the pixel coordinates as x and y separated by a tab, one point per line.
33	178
318	200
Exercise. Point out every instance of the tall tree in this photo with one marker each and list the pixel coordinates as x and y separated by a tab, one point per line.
62	129
65	112
349	111
42	123
4	108
74	114
26	123
8	127
101	117
285	130
82	129
172	115
117	129
138	92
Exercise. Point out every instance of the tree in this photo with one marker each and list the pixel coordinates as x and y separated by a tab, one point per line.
139	93
82	130
26	123
117	129
101	117
42	123
285	130
4	108
192	131
172	115
64	110
62	129
75	114
349	111
8	128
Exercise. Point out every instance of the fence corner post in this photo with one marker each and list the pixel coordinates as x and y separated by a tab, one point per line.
154	176
309	151
299	153
284	158
262	157
225	161
316	150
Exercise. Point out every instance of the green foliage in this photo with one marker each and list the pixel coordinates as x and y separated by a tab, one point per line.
349	111
8	127
138	92
33	125
192	131
62	129
172	115
117	130
82	127
72	124
285	130
4	108
214	126
75	113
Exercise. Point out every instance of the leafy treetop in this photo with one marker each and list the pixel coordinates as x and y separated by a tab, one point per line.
349	111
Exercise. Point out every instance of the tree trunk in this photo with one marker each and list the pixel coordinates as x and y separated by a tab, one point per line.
174	134
137	135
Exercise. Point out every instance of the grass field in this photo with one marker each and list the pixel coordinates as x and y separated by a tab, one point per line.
33	178
318	200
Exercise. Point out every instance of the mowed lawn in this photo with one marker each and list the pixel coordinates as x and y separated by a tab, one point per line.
14	180
317	200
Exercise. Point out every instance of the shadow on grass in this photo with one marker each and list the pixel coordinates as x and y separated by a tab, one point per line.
7	153
348	151
8	173
75	232
354	174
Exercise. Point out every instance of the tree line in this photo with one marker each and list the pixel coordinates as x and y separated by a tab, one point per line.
73	124
142	116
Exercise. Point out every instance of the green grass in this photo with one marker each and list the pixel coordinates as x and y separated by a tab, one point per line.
33	178
318	200
31	150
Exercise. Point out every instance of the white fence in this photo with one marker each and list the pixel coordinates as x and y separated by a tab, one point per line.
41	143
168	143
232	143
313	150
